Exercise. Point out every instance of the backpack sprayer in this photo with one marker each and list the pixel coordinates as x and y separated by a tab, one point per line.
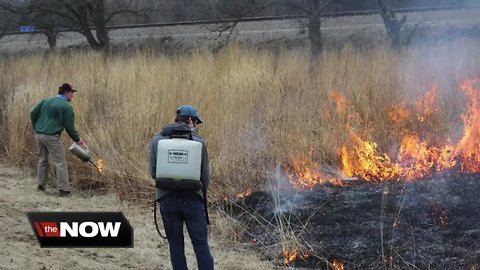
82	152
178	168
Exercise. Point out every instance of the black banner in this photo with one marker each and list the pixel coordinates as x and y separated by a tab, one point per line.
81	229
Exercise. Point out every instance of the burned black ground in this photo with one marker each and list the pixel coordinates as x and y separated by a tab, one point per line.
423	224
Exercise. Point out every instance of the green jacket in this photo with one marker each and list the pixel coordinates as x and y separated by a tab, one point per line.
52	115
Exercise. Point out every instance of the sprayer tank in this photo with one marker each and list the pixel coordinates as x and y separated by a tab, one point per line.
179	159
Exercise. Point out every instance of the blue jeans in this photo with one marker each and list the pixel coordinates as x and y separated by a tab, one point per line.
175	210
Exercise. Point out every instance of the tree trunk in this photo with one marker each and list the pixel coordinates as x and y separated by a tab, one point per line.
315	33
51	39
98	15
101	41
393	26
315	37
179	11
85	28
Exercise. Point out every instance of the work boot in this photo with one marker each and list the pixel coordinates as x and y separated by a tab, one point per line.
41	188
64	193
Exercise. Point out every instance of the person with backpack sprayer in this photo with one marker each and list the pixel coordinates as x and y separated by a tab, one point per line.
179	164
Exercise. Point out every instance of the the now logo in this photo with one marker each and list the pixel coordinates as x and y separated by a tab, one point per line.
85	229
81	229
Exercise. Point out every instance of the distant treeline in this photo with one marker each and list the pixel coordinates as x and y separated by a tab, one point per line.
372	4
187	10
146	11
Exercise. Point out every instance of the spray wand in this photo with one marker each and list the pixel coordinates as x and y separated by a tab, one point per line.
99	170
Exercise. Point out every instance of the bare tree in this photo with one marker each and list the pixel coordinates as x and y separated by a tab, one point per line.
87	17
42	20
393	25
4	25
46	23
231	12
236	10
179	11
313	10
8	19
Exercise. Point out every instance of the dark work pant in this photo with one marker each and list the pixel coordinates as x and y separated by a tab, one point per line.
189	209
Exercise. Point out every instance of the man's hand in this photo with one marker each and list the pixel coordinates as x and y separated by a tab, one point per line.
80	141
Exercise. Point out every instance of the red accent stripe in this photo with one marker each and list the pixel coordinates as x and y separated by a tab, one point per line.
39	229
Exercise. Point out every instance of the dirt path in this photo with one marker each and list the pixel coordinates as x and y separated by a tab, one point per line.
19	248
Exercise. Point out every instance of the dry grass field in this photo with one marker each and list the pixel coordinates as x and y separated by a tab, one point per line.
260	108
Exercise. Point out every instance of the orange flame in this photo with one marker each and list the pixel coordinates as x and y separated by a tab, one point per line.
340	101
100	166
337	264
243	194
415	158
399	114
368	163
237	196
426	104
289	256
345	161
469	148
424	107
439	214
303	173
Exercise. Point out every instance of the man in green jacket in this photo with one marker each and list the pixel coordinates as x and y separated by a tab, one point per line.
49	118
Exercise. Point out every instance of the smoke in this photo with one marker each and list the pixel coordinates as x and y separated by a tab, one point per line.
444	54
286	199
473	3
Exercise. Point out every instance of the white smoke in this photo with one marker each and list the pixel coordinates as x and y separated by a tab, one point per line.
286	199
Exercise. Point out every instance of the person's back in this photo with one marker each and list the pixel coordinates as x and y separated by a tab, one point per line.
185	203
55	115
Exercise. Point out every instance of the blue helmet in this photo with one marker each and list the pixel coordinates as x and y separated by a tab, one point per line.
189	111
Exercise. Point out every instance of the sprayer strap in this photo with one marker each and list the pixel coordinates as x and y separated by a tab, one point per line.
178	185
205	205
155	219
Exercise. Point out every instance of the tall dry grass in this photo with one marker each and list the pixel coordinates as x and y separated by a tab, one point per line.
260	108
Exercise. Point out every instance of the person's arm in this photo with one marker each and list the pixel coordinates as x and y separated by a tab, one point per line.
153	157
69	124
35	113
205	177
205	174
